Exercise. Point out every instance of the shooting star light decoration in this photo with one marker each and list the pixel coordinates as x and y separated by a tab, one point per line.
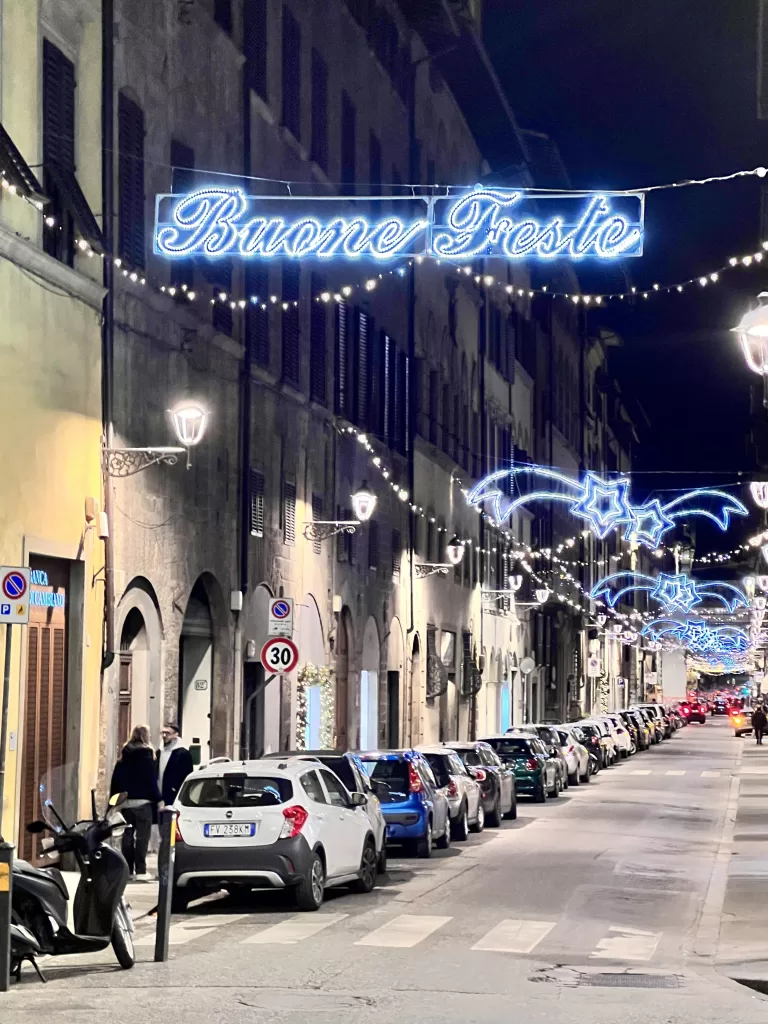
603	504
675	593
698	637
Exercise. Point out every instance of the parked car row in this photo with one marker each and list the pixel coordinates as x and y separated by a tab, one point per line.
309	820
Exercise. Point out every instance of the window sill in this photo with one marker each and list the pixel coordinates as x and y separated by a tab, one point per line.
31	258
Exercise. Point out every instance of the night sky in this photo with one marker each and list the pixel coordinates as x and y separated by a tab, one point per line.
644	94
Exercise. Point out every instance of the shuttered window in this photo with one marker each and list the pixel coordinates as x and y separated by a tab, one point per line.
348	139
317	343
222	14
256	316
130	120
342	360
257	503
291	74
317	515
291	323
255	45
377	391
58	146
289	512
219	273
397	553
319	111
362	382
183	180
373	545
400	411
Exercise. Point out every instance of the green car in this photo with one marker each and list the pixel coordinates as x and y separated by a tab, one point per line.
536	772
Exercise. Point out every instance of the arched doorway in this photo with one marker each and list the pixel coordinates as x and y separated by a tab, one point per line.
343	648
413	731
394	676
196	674
133	676
369	687
317	728
136	675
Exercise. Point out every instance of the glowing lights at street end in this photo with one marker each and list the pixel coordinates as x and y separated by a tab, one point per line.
675	593
604	504
218	222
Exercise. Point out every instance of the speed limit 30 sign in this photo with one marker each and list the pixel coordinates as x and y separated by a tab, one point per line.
279	655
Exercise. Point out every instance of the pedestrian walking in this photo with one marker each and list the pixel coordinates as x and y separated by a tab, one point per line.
174	764
134	774
759	723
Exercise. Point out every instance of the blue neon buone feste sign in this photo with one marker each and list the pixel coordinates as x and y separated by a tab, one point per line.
490	222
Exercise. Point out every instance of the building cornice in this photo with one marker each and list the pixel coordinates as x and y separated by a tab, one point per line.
29	257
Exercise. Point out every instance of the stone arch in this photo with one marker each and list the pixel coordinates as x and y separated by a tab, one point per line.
414	693
370	667
310	639
395	679
139	628
345	646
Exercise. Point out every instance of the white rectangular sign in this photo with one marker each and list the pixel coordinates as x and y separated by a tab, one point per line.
280	616
14	595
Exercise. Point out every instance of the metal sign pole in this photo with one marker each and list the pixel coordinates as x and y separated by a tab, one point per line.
165	861
4	717
6	893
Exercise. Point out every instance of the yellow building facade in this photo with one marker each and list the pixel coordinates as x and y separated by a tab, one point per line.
50	392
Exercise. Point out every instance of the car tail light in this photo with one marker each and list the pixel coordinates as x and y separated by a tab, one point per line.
453	789
737	719
531	764
594	740
480	775
179	836
295	818
414	782
571	749
686	711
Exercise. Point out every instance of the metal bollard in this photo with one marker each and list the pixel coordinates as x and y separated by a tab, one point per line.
165	860
6	893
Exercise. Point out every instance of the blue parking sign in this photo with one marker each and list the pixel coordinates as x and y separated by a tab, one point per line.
5	609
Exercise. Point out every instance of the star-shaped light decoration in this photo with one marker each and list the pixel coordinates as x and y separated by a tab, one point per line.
698	636
676	592
604	505
649	525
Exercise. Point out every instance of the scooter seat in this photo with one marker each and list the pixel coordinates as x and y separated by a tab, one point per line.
52	874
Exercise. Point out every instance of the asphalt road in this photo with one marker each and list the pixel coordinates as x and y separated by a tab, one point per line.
605	903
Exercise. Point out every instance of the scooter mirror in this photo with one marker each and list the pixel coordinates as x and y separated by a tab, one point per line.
117	798
36	827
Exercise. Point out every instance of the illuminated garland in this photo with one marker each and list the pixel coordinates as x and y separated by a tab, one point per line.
322	676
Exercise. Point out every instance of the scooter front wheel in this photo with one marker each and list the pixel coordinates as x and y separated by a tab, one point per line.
122	937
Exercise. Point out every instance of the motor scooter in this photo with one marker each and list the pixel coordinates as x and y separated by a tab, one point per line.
40	898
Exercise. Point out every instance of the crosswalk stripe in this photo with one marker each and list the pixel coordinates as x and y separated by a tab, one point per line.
710	775
627	944
289	932
674	773
515	936
641	771
192	928
754	771
404	931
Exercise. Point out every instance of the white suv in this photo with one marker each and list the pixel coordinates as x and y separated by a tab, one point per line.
271	824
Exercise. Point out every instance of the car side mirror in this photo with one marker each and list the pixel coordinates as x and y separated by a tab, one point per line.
357	800
36	827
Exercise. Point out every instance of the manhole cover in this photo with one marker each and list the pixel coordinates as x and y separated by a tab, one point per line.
630	980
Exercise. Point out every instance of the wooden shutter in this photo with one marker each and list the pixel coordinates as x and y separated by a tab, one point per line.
257	503
373	545
319	111
291	74
44	721
362	382
348	139
342	360
289	512
125	686
255	45
58	147
291	322
397	553
257	317
130	119
222	14
317	343
317	515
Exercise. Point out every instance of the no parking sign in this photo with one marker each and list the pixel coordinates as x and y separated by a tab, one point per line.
14	595
280	617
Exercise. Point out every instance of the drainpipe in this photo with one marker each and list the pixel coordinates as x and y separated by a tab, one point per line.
484	468
414	174
108	320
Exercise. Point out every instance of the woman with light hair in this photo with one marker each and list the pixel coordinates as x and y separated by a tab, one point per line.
135	774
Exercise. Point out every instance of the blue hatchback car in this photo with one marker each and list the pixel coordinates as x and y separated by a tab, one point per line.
415	811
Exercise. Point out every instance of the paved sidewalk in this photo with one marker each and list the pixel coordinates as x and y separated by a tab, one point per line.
743	948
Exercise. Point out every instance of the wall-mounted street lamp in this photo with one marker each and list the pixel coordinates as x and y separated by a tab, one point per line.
363	503
541	594
363	506
753	335
189	424
454	550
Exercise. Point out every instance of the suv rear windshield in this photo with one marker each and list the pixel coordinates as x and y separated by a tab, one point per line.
341	767
236	790
511	747
390	780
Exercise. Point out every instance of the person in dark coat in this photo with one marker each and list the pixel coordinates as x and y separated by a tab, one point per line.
759	723
135	775
174	764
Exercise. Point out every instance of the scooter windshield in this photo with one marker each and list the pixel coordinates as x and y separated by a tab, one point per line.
59	796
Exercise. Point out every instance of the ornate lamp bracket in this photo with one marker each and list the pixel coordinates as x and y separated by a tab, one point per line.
324	529
424	569
129	461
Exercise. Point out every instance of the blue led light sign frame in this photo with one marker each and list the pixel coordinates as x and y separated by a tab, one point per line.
482	222
678	593
603	504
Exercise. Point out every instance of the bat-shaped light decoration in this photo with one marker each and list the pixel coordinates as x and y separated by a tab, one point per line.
603	504
675	593
698	637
